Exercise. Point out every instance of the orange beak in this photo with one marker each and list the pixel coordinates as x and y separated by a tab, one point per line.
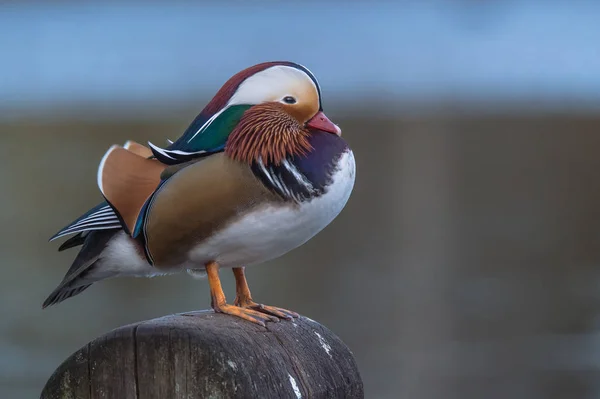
321	122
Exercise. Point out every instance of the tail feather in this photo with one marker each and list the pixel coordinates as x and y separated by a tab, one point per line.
74	241
78	278
62	293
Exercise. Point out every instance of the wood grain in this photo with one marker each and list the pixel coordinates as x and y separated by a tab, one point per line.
203	354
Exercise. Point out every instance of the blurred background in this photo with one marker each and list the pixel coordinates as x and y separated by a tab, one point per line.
467	261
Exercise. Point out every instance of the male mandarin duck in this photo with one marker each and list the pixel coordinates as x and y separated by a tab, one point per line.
259	172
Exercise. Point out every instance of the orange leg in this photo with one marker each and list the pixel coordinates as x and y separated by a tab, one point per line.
244	300
219	302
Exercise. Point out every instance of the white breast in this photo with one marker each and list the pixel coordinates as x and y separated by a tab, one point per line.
269	232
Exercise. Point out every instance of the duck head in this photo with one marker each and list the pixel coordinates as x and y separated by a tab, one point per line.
266	111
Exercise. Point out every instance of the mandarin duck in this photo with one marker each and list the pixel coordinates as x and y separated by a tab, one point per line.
258	172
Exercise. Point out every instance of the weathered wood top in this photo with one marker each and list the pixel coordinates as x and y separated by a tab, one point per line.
207	355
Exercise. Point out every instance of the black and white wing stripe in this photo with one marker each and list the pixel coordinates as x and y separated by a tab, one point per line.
172	157
286	180
101	217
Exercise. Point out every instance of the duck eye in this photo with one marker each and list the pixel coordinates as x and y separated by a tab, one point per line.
289	100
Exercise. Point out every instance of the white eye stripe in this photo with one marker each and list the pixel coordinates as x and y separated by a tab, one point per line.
311	76
271	84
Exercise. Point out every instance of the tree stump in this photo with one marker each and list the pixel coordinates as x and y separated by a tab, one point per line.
207	355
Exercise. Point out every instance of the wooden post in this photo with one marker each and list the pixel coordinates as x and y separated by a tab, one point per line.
207	355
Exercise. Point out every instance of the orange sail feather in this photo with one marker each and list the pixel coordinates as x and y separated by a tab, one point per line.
127	180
